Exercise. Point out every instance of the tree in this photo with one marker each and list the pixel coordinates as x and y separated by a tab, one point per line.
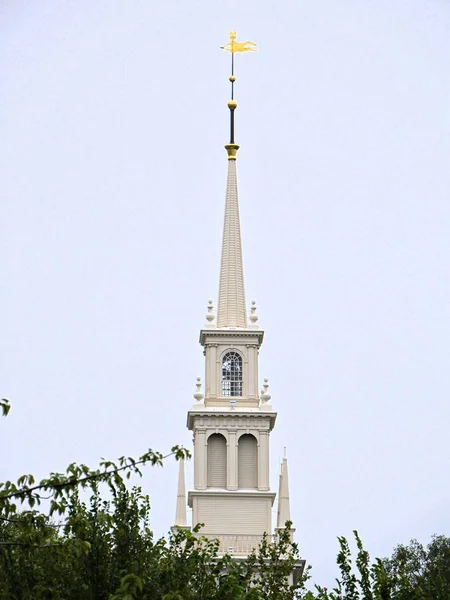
104	549
85	535
413	572
423	572
368	582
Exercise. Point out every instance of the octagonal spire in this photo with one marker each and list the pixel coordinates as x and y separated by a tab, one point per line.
231	310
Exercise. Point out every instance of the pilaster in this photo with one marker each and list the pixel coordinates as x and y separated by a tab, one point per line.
232	479
200	463
263	461
211	381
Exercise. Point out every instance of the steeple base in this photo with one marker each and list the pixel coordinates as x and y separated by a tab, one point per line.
238	519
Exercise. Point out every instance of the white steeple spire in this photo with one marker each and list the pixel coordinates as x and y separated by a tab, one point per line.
231	311
180	517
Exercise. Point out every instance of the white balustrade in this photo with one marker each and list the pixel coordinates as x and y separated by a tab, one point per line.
237	544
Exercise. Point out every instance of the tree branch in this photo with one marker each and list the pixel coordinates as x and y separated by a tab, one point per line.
151	456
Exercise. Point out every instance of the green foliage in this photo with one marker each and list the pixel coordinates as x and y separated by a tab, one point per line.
274	564
5	407
412	573
60	487
103	548
421	572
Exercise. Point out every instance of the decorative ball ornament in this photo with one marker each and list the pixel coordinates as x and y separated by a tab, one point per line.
253	316
210	315
198	393
265	396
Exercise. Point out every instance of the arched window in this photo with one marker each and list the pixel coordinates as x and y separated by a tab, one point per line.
247	462
217	461
232	374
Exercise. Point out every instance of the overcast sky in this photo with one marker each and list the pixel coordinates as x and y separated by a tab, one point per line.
113	172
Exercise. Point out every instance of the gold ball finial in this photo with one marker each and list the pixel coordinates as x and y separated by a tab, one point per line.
232	78
232	104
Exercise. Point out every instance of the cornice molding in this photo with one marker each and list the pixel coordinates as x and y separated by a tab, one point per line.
230	493
195	418
231	333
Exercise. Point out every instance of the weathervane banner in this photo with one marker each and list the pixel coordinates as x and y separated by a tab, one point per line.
233	46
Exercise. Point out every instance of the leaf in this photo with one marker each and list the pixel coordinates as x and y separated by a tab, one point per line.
5	406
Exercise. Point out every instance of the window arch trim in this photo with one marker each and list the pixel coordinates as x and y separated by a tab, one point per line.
223	433
252	432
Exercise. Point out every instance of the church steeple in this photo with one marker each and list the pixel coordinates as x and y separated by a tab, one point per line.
232	419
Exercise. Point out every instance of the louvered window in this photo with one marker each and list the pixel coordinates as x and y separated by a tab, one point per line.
247	462
232	374
217	461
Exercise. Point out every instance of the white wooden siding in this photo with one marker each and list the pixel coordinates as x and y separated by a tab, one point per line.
250	516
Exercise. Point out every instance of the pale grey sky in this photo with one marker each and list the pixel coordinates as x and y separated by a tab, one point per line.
112	170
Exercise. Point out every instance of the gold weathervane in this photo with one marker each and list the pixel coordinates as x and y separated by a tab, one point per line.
232	47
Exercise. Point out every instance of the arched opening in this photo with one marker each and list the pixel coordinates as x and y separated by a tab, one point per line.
232	374
217	461
247	462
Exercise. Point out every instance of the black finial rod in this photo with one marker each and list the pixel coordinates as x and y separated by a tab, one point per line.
231	125
232	76
232	104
